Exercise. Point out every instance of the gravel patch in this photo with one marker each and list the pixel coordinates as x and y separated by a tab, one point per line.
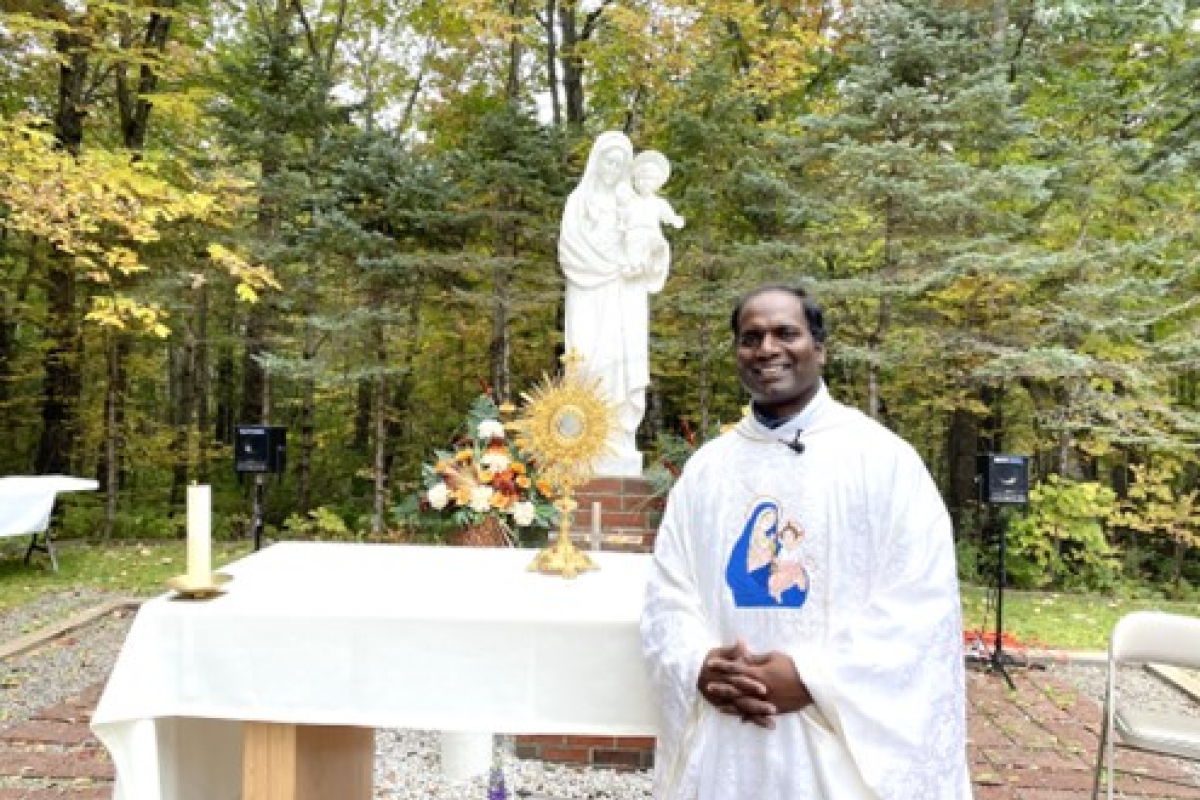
1151	693
65	665
49	609
407	766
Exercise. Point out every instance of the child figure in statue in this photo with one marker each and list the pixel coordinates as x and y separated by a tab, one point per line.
647	252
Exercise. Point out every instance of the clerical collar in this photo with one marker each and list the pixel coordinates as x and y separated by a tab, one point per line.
769	422
797	421
789	431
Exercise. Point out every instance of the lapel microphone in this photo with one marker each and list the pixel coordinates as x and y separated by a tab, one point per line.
795	445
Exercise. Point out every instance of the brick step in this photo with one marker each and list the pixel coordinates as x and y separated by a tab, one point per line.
615	752
87	763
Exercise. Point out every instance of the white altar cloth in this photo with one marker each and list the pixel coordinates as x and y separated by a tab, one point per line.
26	501
435	638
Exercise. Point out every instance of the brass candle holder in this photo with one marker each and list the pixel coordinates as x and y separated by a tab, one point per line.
565	425
188	587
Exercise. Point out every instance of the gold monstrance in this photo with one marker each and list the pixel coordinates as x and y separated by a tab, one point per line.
565	426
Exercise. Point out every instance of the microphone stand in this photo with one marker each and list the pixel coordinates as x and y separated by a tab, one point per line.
996	662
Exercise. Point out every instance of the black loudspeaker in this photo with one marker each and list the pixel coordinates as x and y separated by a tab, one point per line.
259	448
1004	479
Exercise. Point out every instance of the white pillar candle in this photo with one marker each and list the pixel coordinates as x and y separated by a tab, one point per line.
199	534
597	536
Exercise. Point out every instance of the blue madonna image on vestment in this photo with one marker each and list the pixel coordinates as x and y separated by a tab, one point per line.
765	568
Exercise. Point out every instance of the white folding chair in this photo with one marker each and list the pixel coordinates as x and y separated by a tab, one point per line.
1139	638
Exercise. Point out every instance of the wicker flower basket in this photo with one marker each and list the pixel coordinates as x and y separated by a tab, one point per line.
488	533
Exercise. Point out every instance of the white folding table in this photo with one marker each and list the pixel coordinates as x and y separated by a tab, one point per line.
26	503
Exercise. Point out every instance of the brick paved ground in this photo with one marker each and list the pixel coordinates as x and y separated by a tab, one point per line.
1039	743
54	755
1035	743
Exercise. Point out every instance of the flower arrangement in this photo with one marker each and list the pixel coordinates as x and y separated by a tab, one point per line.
488	478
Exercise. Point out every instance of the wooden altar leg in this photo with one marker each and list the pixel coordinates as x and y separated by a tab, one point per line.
307	762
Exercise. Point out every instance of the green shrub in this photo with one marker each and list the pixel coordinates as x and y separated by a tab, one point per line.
320	524
1060	542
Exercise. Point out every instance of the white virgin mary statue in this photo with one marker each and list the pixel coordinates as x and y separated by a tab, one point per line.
607	310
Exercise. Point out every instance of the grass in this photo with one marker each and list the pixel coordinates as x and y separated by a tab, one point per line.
136	569
1036	620
1056	620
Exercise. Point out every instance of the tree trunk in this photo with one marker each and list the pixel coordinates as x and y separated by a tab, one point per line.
111	461
512	89
72	49
308	413
551	28
223	422
572	63
184	417
362	415
1180	550
8	341
60	393
254	378
254	406
203	385
500	346
400	420
381	413
962	449
132	103
999	25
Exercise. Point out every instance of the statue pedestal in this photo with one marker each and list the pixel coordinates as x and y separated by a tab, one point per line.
628	513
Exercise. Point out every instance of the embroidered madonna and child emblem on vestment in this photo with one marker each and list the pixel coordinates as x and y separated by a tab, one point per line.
765	567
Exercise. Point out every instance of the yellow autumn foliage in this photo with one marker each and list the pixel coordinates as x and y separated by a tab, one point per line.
101	208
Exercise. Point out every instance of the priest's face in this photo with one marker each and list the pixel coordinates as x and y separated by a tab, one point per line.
778	360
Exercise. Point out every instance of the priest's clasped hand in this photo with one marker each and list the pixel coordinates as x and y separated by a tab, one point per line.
753	686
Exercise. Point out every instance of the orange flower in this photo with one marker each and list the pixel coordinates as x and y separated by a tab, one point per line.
544	488
517	467
501	500
523	482
463	456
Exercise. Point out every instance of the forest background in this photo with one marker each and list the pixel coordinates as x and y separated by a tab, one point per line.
340	216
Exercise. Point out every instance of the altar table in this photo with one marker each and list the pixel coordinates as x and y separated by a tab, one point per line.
26	502
339	639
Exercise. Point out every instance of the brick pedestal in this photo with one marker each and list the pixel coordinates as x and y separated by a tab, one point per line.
629	517
629	514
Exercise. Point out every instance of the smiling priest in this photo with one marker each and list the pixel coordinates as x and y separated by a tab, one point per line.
802	624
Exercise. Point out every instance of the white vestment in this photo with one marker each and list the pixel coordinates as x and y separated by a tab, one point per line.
875	634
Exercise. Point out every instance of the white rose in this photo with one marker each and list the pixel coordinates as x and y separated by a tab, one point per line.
438	495
491	429
524	513
496	462
481	498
